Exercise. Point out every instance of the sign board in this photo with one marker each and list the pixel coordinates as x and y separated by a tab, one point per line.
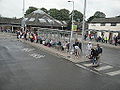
74	27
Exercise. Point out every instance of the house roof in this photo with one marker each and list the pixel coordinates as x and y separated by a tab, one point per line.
40	18
4	20
106	20
36	18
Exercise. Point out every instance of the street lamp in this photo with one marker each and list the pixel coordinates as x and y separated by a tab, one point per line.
83	26
71	36
23	21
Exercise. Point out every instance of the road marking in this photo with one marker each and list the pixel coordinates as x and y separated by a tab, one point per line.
103	68
87	69
113	73
81	66
37	56
28	49
89	64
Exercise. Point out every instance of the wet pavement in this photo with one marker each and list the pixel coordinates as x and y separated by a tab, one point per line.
23	67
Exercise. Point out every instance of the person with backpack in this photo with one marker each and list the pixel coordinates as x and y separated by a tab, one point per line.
93	55
99	53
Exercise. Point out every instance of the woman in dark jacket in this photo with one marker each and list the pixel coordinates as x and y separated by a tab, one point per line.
94	55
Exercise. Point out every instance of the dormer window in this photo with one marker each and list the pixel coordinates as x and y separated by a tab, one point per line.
113	24
102	24
32	19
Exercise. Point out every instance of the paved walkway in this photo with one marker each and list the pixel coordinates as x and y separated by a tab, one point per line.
64	54
56	52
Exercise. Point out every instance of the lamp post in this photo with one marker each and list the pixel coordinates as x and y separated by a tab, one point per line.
71	36
83	26
23	21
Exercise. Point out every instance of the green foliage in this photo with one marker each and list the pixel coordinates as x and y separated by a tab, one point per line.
118	16
44	9
64	15
54	13
78	16
30	10
97	14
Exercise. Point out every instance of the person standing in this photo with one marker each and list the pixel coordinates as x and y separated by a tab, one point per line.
89	47
99	51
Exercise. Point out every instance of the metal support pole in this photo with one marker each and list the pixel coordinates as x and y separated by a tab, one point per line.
23	22
83	26
71	36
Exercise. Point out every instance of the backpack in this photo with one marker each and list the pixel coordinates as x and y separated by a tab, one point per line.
99	50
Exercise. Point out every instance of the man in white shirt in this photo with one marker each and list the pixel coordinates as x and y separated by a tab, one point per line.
89	47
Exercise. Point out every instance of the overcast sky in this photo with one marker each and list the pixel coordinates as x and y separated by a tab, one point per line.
13	8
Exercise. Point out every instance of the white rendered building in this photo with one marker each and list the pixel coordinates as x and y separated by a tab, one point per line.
106	27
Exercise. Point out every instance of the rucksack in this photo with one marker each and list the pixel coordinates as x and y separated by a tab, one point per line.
99	50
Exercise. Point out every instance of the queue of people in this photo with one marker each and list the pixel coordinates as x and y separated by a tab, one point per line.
92	37
92	52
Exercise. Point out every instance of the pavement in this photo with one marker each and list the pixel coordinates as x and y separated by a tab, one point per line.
56	52
65	54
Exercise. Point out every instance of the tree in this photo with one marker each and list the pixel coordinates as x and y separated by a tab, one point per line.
118	16
97	14
64	15
44	9
30	10
54	13
78	16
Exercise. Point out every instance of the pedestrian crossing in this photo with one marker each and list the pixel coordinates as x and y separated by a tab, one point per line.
103	68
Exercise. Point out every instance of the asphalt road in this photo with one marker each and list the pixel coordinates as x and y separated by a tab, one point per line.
23	67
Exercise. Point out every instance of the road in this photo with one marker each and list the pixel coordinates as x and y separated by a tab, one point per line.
23	67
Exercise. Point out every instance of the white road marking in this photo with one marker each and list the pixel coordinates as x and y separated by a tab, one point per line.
87	69
113	73
89	64
37	55
103	68
81	66
28	49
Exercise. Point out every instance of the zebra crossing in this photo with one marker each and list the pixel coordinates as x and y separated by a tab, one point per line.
103	68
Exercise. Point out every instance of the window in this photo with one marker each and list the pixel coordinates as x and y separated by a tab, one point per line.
32	19
113	24
102	24
93	25
42	20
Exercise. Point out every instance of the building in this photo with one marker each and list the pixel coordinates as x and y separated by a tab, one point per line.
41	19
105	27
10	23
37	19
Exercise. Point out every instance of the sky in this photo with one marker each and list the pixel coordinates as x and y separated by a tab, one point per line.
13	8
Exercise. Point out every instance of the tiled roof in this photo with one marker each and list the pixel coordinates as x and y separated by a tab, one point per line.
41	18
106	20
9	20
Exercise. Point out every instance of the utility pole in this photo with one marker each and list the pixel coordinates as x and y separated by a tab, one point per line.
83	26
71	36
